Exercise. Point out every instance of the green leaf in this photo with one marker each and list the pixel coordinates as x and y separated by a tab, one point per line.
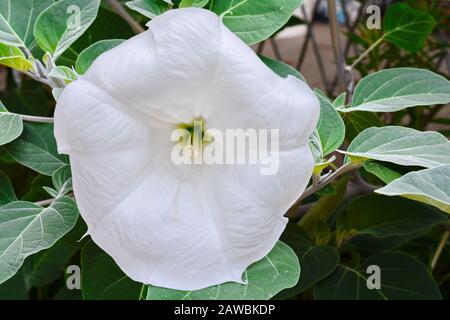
63	73
403	146
385	174
382	217
14	58
11	125
7	193
282	69
317	262
255	20
63	23
17	20
279	270
50	264
148	8
396	89
100	285
402	278
431	186
330	126
358	121
14	288
62	179
340	100
407	27
27	228
88	55
36	149
193	3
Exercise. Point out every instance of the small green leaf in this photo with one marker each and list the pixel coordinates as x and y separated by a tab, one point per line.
14	58
7	193
100	285
149	8
17	20
317	262
382	216
384	173
431	186
63	73
88	55
400	145
402	278
279	270
282	69
396	89
36	149
407	27
27	228
62	179
340	100
193	3
330	126
11	125
63	23
255	20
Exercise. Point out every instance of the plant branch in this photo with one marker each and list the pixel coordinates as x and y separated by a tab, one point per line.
36	119
365	53
337	48
439	249
117	7
324	181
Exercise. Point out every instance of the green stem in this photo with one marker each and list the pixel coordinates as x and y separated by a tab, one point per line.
439	249
365	53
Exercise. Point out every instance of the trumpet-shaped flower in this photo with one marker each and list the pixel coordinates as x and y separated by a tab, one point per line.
182	226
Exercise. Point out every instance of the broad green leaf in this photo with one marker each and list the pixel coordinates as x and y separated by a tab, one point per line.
407	27
385	174
14	288
366	242
7	193
63	73
148	8
402	278
358	121
382	216
63	23
255	20
431	186
88	55
36	149
27	228
62	179
279	270
193	3
100	285
396	89
14	58
317	261
330	126
400	145
17	18
50	264
11	125
282	69
28	98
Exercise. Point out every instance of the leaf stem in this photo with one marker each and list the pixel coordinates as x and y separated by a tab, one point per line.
439	249
329	179
365	53
117	7
36	119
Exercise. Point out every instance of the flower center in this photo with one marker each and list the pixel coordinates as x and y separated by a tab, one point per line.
192	138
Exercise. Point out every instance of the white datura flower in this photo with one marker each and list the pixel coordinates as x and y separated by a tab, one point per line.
183	227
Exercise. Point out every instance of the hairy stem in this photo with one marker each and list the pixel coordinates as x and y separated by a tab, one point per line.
117	7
